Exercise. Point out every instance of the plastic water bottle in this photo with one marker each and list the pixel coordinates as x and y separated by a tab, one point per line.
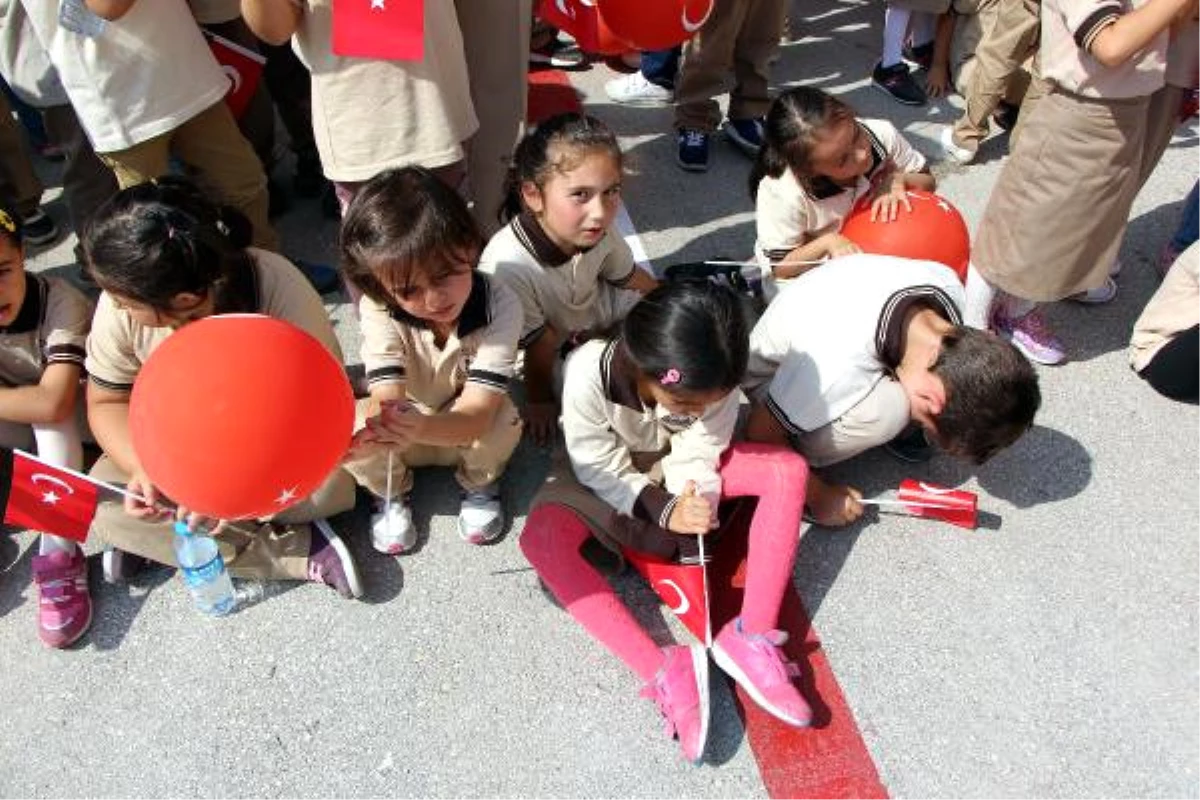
203	571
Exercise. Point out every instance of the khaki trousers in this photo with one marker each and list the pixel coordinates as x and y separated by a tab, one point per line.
211	144
251	549
877	419
496	40
739	35
480	463
1007	43
87	182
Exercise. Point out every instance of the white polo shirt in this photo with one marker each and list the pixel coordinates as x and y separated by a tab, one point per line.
833	332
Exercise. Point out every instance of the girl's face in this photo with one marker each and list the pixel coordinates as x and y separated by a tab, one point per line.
12	280
682	403
184	307
841	152
576	206
436	296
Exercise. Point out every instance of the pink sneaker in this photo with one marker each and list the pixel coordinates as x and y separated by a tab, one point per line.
64	605
756	662
681	691
1031	335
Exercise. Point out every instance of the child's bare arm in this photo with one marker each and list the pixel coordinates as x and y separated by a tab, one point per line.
51	400
937	82
110	9
273	21
1120	40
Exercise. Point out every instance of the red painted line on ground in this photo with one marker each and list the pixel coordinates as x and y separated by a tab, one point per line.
828	759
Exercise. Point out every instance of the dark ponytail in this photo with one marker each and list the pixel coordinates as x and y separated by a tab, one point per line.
155	240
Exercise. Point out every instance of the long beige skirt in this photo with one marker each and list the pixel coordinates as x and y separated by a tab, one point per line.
1057	213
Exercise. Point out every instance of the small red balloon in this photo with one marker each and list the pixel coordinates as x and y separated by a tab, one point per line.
240	416
654	24
933	231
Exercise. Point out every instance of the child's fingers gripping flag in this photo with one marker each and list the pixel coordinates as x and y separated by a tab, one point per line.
45	498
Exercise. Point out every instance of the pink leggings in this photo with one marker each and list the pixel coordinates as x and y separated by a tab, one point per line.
776	475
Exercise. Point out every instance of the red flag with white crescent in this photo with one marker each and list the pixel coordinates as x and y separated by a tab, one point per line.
387	29
242	67
42	497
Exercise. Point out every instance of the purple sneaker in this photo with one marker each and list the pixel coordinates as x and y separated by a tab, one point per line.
330	562
756	662
681	691
1031	335
64	605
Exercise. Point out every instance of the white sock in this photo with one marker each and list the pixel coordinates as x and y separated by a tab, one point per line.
980	296
924	27
895	25
50	544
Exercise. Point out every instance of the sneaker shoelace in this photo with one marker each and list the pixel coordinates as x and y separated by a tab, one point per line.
58	585
768	645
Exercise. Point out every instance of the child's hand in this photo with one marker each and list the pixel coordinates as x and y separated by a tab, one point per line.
199	522
541	421
148	507
886	207
398	424
833	505
937	81
692	513
837	245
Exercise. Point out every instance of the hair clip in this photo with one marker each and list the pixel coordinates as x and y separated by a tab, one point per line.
6	222
222	228
670	377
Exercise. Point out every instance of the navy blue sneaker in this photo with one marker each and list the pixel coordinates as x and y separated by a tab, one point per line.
898	83
747	134
693	150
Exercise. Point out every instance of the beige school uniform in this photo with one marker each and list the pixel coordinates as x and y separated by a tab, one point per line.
575	294
50	328
1173	309
1056	214
787	215
481	352
628	463
117	348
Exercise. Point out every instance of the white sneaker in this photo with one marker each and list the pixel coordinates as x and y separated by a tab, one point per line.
951	151
392	530
480	518
1104	293
634	90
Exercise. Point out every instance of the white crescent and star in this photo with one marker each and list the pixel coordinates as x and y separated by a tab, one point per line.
286	496
378	5
692	27
681	607
235	77
50	497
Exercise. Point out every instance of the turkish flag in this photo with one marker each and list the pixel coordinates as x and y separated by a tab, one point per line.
680	586
45	498
387	29
243	67
582	20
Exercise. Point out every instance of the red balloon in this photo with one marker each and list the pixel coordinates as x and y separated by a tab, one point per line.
934	231
581	19
240	416
654	24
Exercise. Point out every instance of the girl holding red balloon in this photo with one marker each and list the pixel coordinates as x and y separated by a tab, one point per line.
164	255
573	274
648	420
817	162
439	347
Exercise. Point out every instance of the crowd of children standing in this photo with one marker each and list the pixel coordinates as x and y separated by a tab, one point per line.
475	254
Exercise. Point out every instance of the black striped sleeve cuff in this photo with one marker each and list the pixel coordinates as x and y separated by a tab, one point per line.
654	504
782	418
1095	22
620	282
389	374
775	256
65	354
532	336
111	386
489	380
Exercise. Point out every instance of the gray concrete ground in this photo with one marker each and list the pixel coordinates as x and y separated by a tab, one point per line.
1051	653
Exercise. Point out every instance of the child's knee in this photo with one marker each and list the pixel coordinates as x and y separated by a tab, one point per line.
550	531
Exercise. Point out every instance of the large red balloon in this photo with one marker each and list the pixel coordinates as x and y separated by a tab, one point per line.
240	416
934	231
654	24
582	20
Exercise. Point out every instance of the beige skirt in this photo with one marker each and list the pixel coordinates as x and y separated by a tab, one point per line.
1056	215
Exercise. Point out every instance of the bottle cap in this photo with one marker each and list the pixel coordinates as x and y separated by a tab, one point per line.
182	529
